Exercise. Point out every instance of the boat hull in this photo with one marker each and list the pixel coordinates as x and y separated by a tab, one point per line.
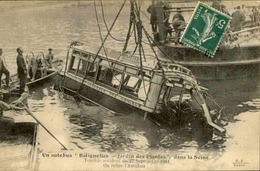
18	136
228	63
18	146
70	87
165	118
51	74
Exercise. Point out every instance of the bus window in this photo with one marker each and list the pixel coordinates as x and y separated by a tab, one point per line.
85	56
105	75
117	76
136	85
143	89
82	67
74	62
92	67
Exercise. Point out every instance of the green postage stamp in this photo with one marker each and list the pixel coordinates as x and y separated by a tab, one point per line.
205	29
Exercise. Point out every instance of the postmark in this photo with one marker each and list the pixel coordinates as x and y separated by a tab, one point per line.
205	29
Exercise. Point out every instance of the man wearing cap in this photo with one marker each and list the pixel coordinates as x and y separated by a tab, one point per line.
50	57
21	69
3	70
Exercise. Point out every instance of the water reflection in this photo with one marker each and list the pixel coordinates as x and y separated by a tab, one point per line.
84	126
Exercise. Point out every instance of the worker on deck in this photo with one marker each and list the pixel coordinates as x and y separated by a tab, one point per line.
224	10
220	7
178	23
21	69
153	19
3	70
217	5
49	58
237	20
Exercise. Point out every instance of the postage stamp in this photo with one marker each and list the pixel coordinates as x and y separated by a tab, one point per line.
205	29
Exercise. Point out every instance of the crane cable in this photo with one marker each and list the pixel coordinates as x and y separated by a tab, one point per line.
103	40
104	19
129	33
154	42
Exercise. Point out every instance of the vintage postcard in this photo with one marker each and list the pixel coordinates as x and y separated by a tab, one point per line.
129	85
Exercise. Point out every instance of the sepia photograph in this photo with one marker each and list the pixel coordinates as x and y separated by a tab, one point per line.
135	85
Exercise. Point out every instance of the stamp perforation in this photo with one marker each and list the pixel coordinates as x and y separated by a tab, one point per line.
196	14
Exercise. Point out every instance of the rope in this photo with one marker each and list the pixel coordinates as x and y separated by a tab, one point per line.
220	108
103	16
29	112
141	50
103	40
129	33
100	32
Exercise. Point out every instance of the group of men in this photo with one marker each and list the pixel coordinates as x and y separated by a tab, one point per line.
22	70
178	22
22	75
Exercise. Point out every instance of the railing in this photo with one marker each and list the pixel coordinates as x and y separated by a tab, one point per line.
245	30
177	67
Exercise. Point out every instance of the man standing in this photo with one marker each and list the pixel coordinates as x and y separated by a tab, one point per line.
50	58
3	70
217	5
237	20
21	69
153	18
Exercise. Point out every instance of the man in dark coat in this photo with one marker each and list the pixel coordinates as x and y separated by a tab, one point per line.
237	20
217	5
21	69
49	58
3	70
153	18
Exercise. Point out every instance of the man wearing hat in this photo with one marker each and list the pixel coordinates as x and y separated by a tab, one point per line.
21	69
50	57
3	70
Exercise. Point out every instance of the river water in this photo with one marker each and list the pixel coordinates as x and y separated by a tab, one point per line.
84	127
